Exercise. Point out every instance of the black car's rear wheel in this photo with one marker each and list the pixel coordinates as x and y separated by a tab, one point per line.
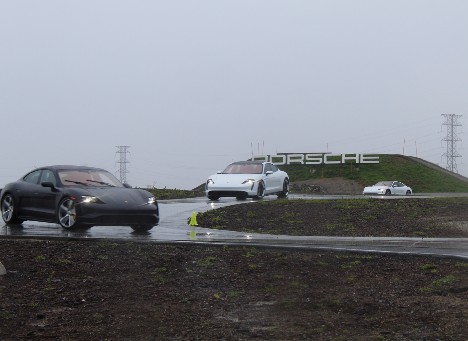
213	197
9	214
67	215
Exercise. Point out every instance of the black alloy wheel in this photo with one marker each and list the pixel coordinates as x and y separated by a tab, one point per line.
8	209
66	214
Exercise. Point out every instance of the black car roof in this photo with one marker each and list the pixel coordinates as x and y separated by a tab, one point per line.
70	167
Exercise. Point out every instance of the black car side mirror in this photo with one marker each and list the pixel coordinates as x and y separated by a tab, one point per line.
127	185
48	184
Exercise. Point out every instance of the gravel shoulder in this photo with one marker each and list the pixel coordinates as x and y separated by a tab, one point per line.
105	290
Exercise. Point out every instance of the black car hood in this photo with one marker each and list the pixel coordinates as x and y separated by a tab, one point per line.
117	195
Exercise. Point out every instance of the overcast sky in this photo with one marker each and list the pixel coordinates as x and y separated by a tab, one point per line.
191	86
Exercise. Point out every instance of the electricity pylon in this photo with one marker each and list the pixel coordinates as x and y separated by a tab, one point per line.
123	151
451	121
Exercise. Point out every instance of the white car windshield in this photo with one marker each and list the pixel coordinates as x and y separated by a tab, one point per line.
384	183
88	177
244	168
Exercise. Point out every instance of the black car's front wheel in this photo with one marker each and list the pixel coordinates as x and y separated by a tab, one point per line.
141	228
8	208
66	214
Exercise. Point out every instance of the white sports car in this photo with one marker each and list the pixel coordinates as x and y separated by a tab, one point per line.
388	188
244	179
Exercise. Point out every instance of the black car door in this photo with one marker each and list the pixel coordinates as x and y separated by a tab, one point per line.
25	193
45	197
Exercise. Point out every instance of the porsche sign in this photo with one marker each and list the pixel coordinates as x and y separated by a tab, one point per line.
318	158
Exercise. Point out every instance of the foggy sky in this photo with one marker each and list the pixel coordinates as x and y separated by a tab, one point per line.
191	86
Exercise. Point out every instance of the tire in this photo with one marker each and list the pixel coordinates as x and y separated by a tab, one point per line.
388	192
8	209
260	190
241	197
408	192
66	214
141	228
213	197
285	192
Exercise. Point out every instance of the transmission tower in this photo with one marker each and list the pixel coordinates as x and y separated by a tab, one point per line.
123	151
451	121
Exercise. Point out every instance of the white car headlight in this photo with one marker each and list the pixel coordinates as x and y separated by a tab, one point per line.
151	200
249	181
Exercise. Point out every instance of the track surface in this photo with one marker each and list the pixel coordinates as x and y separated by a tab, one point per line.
174	227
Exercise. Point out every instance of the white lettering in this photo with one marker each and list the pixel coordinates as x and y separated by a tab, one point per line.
317	159
345	157
369	159
295	158
327	157
313	159
262	158
278	160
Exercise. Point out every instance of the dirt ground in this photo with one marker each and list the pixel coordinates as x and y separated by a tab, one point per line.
106	290
328	186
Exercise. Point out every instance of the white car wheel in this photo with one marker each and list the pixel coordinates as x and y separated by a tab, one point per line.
284	193
260	190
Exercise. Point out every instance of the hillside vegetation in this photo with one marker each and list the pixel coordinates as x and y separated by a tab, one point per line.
420	177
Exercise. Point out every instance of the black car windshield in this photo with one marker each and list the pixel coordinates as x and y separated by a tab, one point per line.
244	168
88	177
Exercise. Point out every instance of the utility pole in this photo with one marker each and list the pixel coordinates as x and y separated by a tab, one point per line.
451	121
123	151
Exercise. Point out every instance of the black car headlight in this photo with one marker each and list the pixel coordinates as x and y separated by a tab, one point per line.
87	199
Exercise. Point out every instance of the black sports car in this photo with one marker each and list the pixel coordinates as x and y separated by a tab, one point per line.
77	197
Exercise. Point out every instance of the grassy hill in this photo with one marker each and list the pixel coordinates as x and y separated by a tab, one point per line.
418	175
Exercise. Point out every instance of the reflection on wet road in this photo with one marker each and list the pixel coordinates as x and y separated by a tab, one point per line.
174	227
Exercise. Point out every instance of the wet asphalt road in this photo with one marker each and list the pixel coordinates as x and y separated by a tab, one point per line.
174	228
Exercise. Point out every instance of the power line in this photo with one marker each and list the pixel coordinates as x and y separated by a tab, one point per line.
123	151
451	121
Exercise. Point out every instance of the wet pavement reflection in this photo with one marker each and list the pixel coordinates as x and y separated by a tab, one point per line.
174	227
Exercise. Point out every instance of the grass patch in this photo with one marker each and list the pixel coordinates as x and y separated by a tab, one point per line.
208	261
440	283
419	177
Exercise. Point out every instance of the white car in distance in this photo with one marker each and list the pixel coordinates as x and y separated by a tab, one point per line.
248	179
388	188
